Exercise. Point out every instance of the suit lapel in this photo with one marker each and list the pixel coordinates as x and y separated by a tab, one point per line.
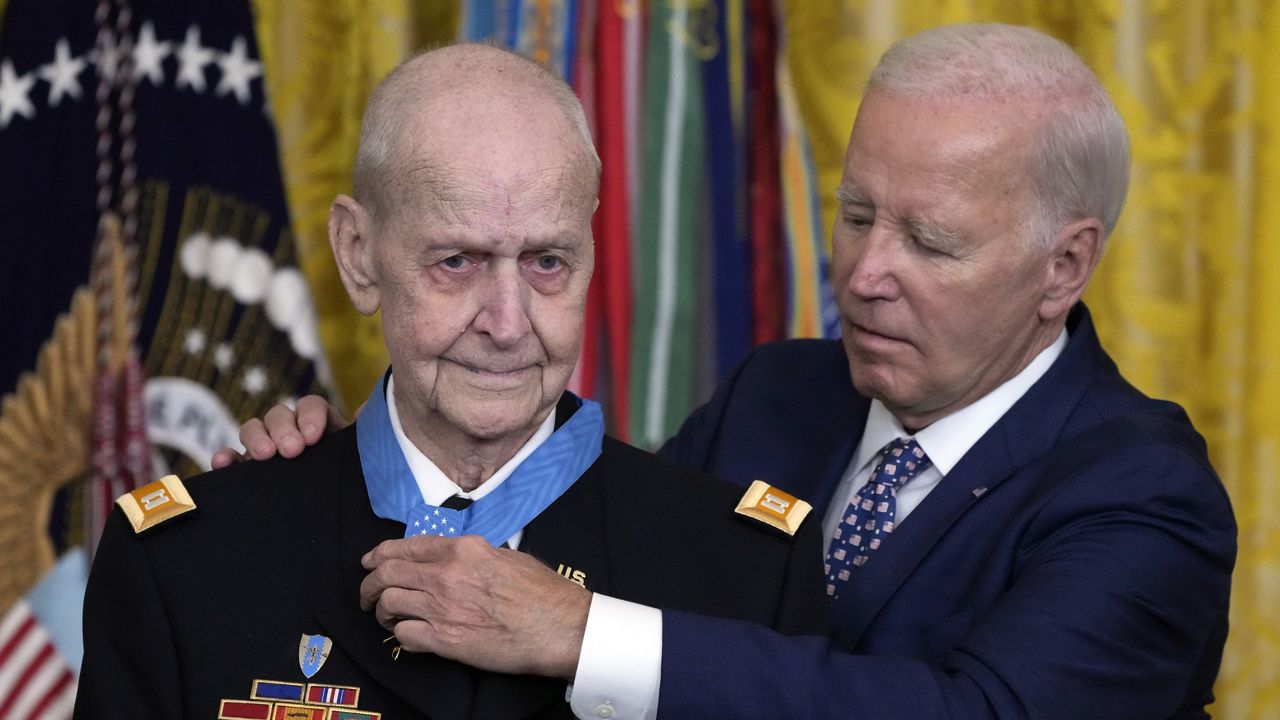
831	434
569	537
985	465
436	687
1029	429
839	452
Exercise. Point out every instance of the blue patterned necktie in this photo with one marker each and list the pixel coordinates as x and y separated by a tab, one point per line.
870	517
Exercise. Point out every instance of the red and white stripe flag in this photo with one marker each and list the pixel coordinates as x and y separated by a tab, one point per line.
35	681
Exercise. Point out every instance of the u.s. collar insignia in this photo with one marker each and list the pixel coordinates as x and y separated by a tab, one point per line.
155	503
778	509
313	650
574	576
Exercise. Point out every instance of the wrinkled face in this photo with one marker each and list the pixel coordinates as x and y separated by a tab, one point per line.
935	276
482	274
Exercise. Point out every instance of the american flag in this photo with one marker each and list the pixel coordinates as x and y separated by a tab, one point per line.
35	680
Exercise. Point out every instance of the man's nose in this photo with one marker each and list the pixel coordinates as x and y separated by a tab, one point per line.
504	310
874	273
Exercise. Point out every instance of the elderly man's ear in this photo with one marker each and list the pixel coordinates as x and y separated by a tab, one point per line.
350	236
1073	256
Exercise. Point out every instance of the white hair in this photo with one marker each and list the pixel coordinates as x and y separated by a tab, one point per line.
393	102
1081	157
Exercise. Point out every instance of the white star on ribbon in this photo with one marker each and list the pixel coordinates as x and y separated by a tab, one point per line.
192	58
237	71
255	380
13	94
61	74
223	356
194	342
148	55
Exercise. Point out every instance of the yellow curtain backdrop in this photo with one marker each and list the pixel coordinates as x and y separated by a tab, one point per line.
321	59
1187	299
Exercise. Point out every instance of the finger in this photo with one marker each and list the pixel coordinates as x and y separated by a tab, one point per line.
416	635
393	573
282	425
420	548
372	587
316	417
257	443
397	605
225	457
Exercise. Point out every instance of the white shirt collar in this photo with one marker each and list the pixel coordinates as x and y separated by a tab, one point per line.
436	487
947	440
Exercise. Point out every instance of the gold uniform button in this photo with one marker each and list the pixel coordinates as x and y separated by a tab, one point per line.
604	711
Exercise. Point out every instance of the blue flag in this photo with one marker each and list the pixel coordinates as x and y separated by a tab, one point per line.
152	113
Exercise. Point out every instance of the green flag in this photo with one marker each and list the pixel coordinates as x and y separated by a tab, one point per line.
664	327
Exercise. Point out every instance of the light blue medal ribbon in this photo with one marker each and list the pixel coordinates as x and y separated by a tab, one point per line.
536	483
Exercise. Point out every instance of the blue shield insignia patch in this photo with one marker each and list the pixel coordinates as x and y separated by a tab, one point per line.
313	650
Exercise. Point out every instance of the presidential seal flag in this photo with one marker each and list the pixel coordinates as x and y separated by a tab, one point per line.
151	287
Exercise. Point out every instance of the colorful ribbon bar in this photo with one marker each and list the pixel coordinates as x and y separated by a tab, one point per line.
322	702
276	690
333	695
285	711
244	710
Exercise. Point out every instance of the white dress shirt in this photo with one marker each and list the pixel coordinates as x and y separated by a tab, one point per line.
620	666
945	441
435	486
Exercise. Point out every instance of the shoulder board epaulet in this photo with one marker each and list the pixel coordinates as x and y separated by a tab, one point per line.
156	502
776	508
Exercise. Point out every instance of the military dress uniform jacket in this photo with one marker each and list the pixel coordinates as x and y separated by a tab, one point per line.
1075	563
192	612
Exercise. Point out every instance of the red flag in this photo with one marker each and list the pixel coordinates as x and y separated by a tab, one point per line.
620	28
767	261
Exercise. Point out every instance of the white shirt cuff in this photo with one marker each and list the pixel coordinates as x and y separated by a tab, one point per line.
620	666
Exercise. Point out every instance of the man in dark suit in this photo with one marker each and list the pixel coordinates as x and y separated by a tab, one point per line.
1013	530
271	590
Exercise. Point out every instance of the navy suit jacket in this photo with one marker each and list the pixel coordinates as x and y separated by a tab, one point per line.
1075	563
